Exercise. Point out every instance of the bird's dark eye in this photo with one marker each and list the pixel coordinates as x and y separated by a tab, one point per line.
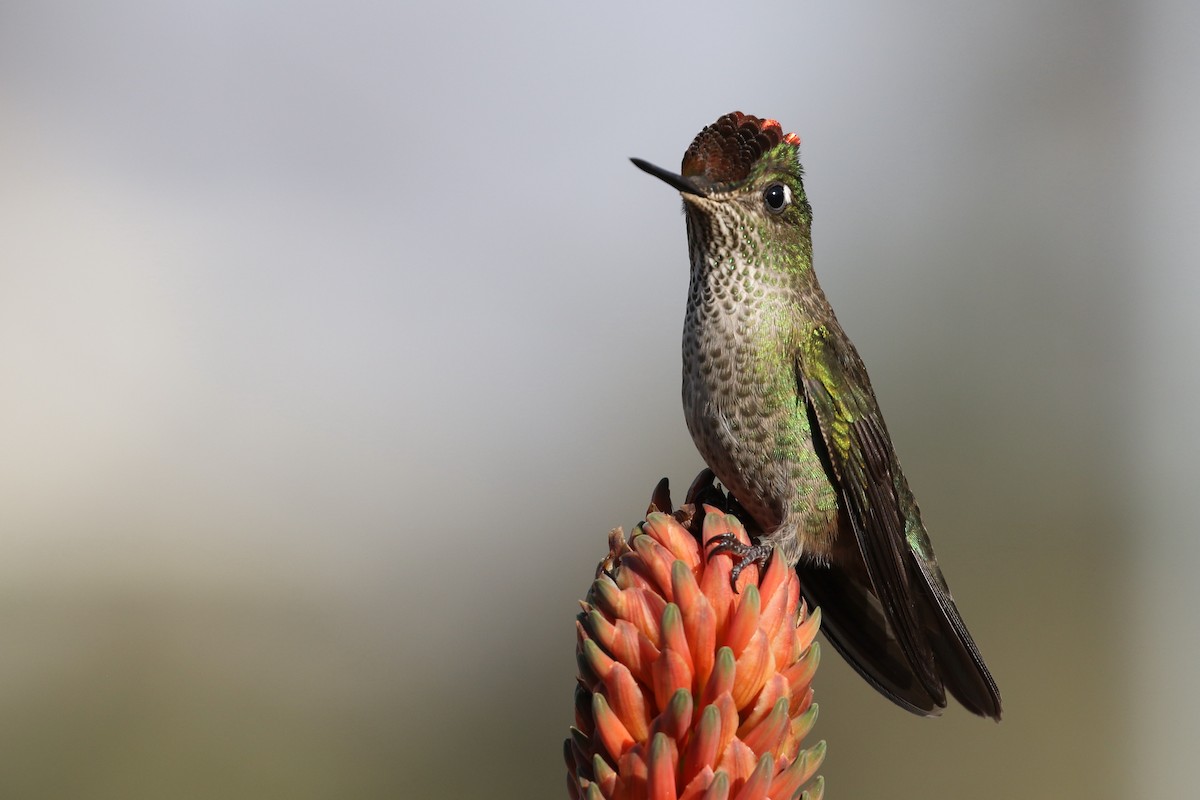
777	196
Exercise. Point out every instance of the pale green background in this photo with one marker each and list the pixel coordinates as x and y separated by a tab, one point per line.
334	338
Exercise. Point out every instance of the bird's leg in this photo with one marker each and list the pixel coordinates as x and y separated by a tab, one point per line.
746	554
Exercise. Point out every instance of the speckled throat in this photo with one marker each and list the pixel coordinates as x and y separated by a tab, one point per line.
752	298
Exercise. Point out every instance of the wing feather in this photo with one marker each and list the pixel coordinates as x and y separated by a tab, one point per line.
921	624
864	470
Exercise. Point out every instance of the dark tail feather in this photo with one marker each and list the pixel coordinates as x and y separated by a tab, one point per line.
852	620
962	668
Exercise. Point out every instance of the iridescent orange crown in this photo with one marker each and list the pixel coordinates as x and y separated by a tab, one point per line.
725	151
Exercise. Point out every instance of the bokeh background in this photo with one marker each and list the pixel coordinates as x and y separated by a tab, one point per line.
335	337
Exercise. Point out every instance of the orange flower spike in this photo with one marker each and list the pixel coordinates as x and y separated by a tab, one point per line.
688	690
699	621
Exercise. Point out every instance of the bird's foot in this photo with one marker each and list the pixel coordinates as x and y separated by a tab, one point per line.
746	554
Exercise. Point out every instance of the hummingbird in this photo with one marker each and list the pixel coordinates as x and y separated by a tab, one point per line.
781	409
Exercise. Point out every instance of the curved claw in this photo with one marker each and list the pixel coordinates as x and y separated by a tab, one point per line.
746	554
725	543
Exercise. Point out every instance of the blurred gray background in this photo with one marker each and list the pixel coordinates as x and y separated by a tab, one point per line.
334	338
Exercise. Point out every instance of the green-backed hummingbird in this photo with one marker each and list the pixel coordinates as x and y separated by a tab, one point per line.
780	406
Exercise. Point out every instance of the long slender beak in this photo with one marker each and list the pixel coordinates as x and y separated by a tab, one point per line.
679	182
